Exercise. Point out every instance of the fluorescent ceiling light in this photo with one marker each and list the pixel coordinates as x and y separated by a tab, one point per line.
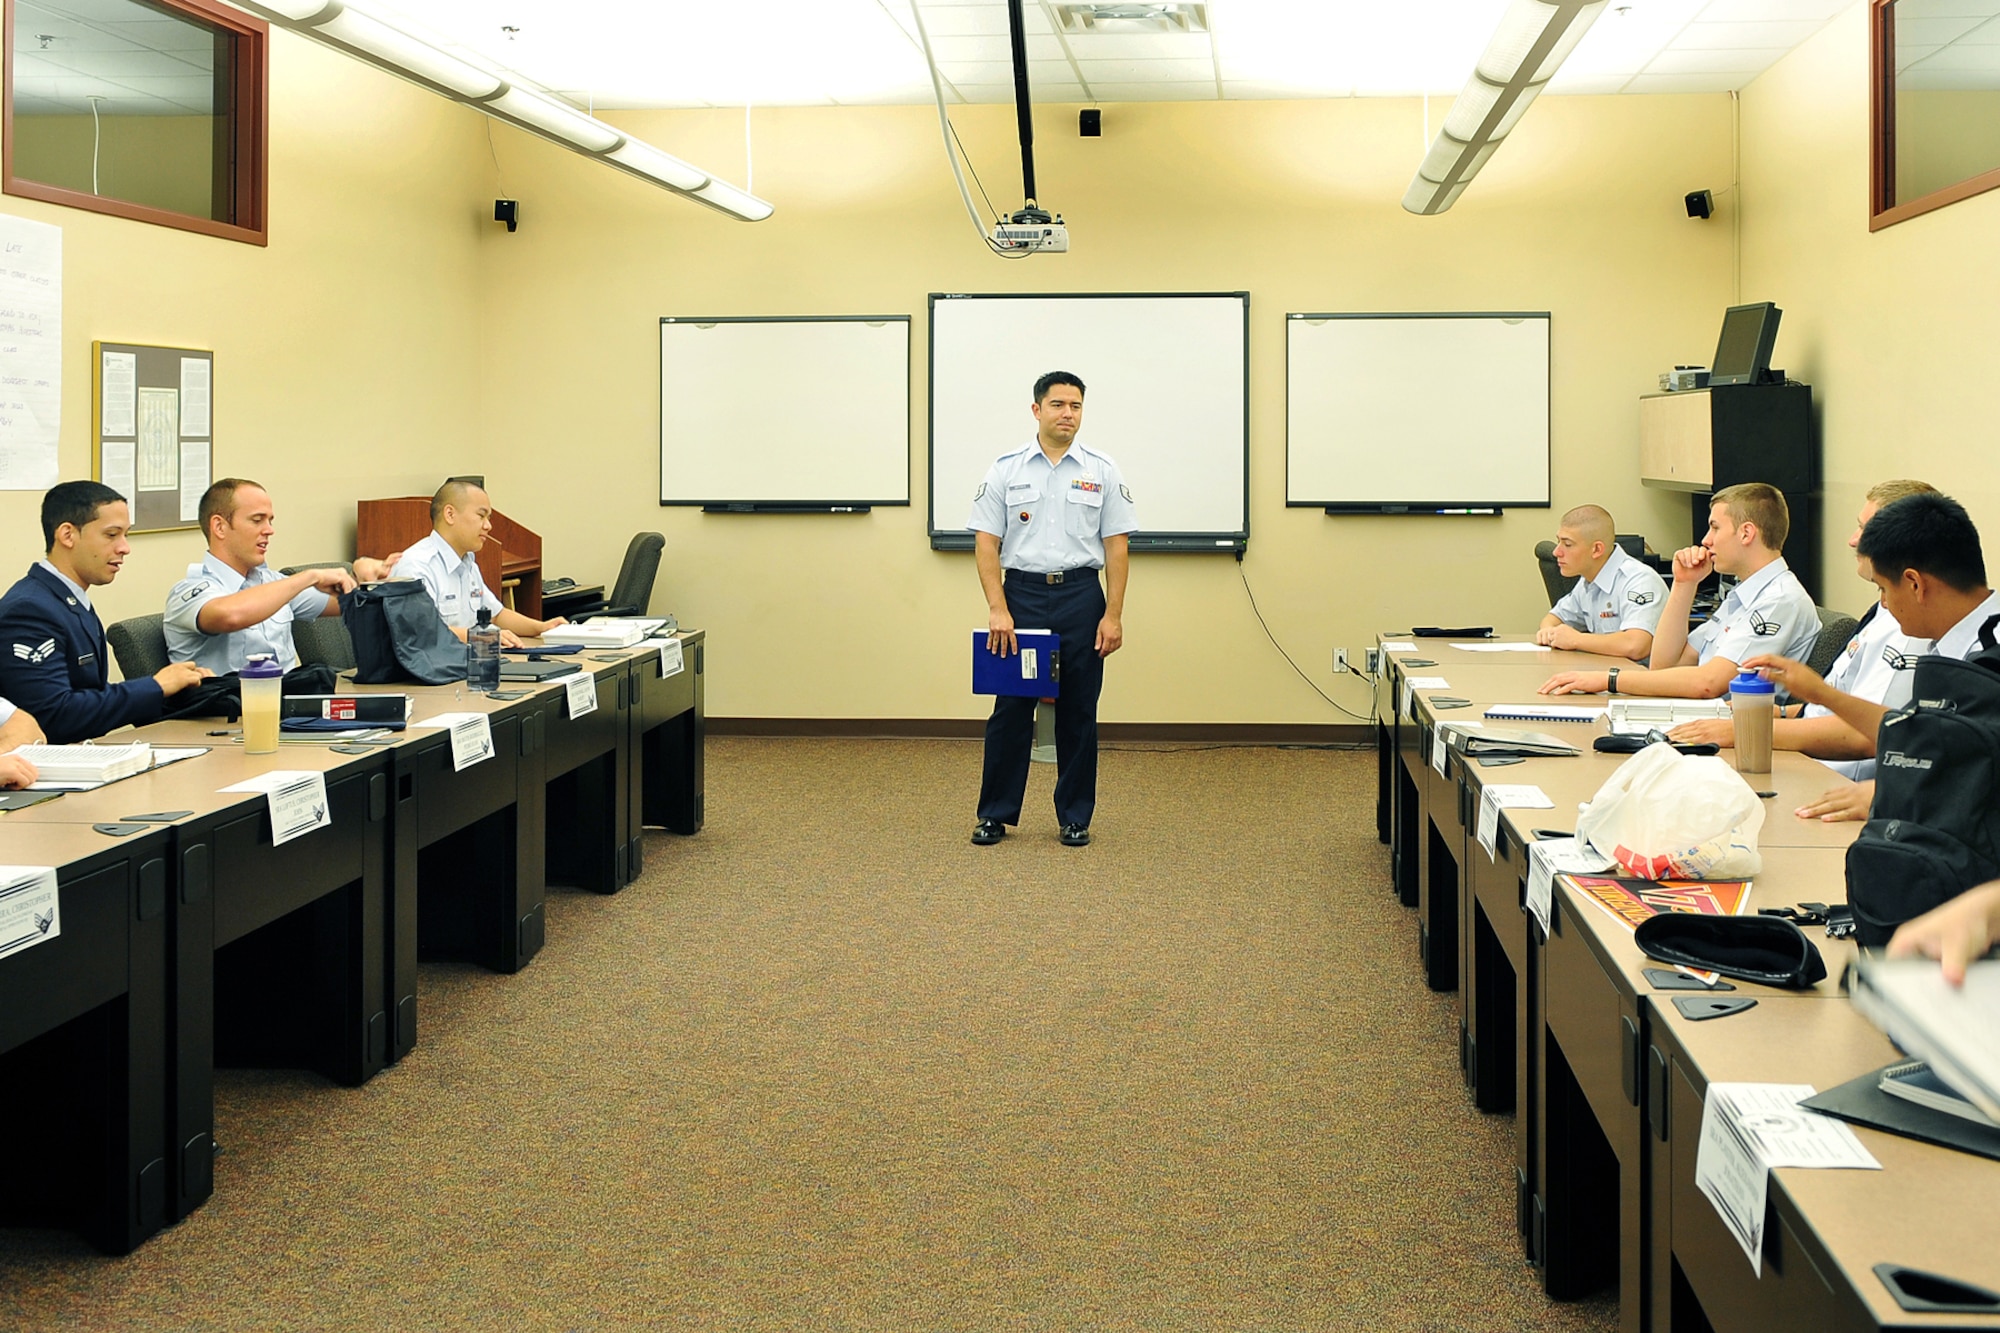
371	38
375	39
1524	53
645	160
554	120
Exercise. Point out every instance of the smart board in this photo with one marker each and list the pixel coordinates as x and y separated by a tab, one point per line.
1390	413
1166	395
785	414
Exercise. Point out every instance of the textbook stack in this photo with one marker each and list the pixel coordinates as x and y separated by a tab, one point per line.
87	763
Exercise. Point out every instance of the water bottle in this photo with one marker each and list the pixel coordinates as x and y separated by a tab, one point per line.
482	655
263	687
1751	701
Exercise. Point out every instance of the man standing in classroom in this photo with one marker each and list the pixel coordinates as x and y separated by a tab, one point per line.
1616	602
1048	517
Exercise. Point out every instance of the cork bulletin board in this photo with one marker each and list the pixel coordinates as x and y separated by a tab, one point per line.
152	419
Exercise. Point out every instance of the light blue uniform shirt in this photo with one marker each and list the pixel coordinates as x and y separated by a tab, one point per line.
222	653
452	580
1875	664
1624	595
1051	518
1769	612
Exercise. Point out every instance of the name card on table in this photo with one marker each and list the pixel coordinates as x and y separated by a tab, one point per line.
1748	1128
582	691
1506	796
471	737
296	798
29	911
1549	857
671	662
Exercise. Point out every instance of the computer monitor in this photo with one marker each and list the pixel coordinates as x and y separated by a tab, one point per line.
1743	353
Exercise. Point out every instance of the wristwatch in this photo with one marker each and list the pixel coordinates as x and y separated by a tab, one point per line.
1611	682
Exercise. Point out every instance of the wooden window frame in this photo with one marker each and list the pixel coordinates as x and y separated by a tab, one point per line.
1883	208
250	121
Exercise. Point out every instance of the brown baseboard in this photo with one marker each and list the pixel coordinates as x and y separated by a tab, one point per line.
1109	733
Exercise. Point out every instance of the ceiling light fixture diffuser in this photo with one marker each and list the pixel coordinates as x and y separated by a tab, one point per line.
371	38
1526	50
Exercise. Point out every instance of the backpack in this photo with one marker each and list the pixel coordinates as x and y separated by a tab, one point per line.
222	696
1934	828
398	635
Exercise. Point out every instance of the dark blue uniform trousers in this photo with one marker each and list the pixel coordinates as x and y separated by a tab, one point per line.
1072	609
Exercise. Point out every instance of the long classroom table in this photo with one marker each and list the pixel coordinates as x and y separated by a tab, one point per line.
1566	1030
305	954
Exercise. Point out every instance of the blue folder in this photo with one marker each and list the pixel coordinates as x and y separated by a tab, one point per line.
1035	671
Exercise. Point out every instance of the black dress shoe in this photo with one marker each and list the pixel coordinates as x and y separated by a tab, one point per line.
987	832
1075	835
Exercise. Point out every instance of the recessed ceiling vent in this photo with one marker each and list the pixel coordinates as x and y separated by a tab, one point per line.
1131	17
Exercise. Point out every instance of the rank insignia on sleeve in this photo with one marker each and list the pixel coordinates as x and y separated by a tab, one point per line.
1125	491
980	494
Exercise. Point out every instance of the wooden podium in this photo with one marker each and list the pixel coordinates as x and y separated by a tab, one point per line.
510	562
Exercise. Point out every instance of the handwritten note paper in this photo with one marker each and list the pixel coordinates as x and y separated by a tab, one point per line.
31	302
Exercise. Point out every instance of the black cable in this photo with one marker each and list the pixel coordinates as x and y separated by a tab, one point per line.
1287	656
967	157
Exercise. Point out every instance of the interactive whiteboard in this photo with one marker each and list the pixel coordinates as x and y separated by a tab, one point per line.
1405	413
784	415
1166	395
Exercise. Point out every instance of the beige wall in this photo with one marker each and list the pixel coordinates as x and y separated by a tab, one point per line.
1896	329
1580	214
346	351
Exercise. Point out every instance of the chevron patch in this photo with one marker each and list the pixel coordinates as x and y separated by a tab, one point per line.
42	653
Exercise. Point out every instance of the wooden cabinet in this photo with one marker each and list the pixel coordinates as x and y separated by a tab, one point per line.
1702	440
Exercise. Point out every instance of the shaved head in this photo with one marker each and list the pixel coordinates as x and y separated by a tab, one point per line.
1591	523
454	493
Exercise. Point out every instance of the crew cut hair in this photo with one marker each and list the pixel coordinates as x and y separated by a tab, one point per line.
451	493
220	499
1755	502
75	503
1053	378
1931	534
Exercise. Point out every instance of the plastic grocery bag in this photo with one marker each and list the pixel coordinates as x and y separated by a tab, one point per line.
1667	815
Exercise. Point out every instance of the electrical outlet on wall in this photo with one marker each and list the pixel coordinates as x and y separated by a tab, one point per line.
1372	658
1339	660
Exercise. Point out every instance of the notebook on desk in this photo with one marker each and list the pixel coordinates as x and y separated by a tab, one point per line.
536	669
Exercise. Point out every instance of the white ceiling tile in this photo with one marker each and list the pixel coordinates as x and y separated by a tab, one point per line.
1587	85
1154	92
1145	71
1248	89
1622	43
1675	61
1686	83
986	92
1139	46
1759	11
977	71
952	49
1744	36
961	20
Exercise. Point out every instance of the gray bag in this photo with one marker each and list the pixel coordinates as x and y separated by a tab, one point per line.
399	636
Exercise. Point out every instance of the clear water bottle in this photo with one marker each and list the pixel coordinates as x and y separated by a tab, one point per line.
482	655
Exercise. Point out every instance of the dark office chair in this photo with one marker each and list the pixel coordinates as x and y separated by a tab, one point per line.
323	641
1835	629
139	644
632	594
1552	578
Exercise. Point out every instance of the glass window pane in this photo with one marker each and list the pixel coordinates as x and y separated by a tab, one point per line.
126	100
1947	82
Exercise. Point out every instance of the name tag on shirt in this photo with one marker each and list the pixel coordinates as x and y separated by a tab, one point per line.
1087	492
1023	492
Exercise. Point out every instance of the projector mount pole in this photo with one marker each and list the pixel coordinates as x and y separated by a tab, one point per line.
1023	111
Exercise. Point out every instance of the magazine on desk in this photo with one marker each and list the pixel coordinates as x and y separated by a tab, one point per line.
1634	900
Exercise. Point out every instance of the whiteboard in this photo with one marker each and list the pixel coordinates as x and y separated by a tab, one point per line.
1166	396
1396	412
811	412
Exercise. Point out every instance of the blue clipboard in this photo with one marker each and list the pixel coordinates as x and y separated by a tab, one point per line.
1034	671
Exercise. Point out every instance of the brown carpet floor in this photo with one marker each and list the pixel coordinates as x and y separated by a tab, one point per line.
828	1066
